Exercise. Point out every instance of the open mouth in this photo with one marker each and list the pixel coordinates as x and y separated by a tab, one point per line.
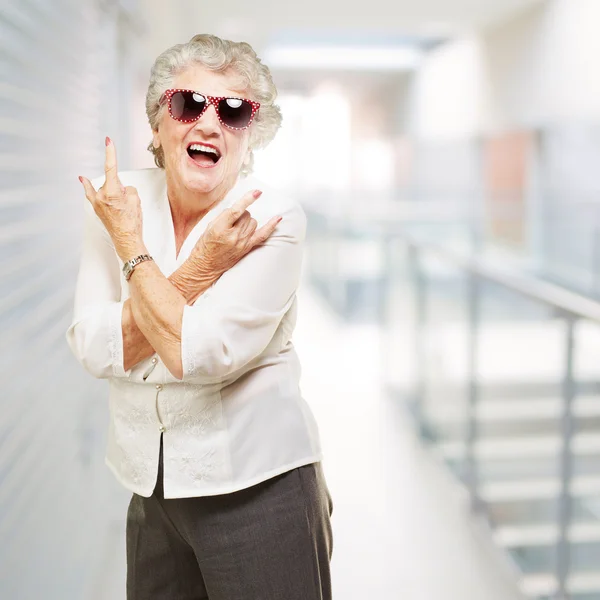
203	155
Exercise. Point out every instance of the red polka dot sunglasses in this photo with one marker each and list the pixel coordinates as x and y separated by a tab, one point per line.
188	106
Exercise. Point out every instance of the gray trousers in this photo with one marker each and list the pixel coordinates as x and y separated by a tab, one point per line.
271	541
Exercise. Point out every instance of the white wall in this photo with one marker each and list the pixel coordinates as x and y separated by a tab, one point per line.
448	92
64	83
542	67
536	69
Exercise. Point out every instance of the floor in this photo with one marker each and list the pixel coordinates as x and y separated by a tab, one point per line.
402	530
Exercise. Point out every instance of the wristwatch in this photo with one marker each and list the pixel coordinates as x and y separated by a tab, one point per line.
129	265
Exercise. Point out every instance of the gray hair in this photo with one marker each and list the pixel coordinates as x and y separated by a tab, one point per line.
218	55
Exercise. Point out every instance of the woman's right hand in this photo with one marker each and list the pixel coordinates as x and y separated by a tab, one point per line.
232	235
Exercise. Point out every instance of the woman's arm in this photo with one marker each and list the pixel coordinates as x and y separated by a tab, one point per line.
232	325
103	335
158	308
191	280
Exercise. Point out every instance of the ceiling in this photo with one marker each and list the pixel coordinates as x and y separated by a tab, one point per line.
263	22
266	23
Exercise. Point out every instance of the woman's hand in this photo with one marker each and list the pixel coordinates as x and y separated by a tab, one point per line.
118	207
231	236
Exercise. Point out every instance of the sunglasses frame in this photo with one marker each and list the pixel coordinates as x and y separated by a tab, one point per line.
214	100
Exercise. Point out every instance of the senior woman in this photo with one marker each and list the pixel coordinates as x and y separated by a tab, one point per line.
186	303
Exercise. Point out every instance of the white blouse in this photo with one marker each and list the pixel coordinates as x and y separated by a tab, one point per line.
237	417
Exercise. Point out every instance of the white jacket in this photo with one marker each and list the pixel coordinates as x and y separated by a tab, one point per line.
238	416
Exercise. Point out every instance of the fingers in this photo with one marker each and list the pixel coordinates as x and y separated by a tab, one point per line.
237	209
247	224
262	235
112	184
243	220
90	192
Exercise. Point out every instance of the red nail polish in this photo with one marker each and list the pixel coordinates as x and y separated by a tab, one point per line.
107	140
80	179
256	193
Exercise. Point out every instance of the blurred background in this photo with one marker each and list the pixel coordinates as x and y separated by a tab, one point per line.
447	154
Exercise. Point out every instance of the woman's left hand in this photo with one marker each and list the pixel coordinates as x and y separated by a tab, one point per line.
118	207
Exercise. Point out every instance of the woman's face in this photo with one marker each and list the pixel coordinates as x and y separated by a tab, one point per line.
199	173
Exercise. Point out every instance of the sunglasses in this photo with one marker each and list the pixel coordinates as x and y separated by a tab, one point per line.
188	106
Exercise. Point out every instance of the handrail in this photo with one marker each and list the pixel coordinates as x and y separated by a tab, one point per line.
531	286
528	285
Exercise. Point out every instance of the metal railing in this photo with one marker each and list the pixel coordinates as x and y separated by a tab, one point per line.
572	307
400	259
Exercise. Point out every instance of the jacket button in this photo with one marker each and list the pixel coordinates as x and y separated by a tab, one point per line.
161	428
154	360
159	386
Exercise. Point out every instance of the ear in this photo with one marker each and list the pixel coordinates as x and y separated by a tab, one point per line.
155	139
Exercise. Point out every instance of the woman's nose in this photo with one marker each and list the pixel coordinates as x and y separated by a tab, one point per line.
209	121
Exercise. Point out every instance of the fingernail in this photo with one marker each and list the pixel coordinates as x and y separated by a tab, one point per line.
107	140
280	219
80	179
256	193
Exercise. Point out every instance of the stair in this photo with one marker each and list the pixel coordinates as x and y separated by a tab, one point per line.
518	448
530	409
544	584
544	535
527	433
537	489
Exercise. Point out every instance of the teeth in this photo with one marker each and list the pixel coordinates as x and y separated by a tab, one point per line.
200	147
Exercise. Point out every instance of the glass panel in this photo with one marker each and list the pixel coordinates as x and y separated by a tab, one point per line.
585	558
534	559
442	341
518	392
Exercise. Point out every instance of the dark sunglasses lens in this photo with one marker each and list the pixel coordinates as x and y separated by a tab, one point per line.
235	112
187	105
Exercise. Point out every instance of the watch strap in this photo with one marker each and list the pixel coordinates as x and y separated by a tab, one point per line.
130	265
